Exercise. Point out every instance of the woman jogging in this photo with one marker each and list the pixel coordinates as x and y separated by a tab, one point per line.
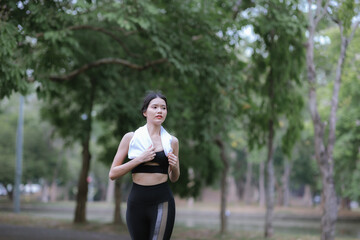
153	158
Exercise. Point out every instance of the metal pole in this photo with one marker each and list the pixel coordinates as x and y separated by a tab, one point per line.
19	150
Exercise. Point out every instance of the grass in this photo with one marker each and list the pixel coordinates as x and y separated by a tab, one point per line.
179	233
185	233
23	219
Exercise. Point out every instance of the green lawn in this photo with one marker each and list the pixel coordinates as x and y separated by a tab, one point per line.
180	232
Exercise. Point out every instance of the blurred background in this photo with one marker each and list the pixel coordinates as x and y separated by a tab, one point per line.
262	95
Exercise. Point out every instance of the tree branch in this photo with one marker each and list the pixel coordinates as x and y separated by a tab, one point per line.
356	25
107	61
236	9
335	20
321	12
345	41
318	7
335	95
311	17
4	13
98	29
126	33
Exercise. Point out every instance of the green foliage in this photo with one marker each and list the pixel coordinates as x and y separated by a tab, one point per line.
42	159
200	76
345	12
352	191
22	24
11	72
273	87
304	168
8	121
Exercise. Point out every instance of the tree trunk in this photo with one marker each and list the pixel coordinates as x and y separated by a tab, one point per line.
286	184
323	153
269	231
81	197
307	197
262	185
270	162
53	191
110	191
240	188
248	192
330	210
325	158
44	192
102	189
240	184
10	194
117	210
345	203
224	185
66	191
279	192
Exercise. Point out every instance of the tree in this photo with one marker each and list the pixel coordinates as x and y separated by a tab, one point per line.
89	46
245	168
346	159
345	150
192	59
43	162
41	156
277	59
342	13
61	40
8	121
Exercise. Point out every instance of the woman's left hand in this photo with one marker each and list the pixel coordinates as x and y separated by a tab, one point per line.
173	159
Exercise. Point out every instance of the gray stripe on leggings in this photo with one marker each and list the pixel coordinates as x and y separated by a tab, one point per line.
158	222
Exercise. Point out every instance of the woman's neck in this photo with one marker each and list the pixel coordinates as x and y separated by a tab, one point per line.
154	130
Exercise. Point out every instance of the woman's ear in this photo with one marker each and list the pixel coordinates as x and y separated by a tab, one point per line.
144	114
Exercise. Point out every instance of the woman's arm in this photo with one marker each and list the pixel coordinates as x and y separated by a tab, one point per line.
118	168
174	165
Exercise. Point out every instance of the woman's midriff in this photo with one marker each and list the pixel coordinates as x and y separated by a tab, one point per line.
148	179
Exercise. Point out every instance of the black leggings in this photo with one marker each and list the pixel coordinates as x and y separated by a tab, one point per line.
150	213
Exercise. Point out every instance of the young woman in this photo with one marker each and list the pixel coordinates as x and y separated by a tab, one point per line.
153	158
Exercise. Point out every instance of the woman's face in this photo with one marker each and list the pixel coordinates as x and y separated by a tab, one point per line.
156	111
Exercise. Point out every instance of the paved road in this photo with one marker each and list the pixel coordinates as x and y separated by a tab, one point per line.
15	232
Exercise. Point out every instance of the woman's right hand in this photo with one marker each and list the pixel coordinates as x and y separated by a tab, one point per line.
148	155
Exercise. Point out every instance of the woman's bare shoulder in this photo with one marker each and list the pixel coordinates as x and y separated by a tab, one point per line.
127	137
174	140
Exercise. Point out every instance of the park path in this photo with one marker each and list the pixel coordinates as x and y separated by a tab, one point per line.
16	232
294	220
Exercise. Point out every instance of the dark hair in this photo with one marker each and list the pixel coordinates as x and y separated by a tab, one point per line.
150	96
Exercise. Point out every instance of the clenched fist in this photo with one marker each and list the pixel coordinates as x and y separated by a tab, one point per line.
148	155
173	159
